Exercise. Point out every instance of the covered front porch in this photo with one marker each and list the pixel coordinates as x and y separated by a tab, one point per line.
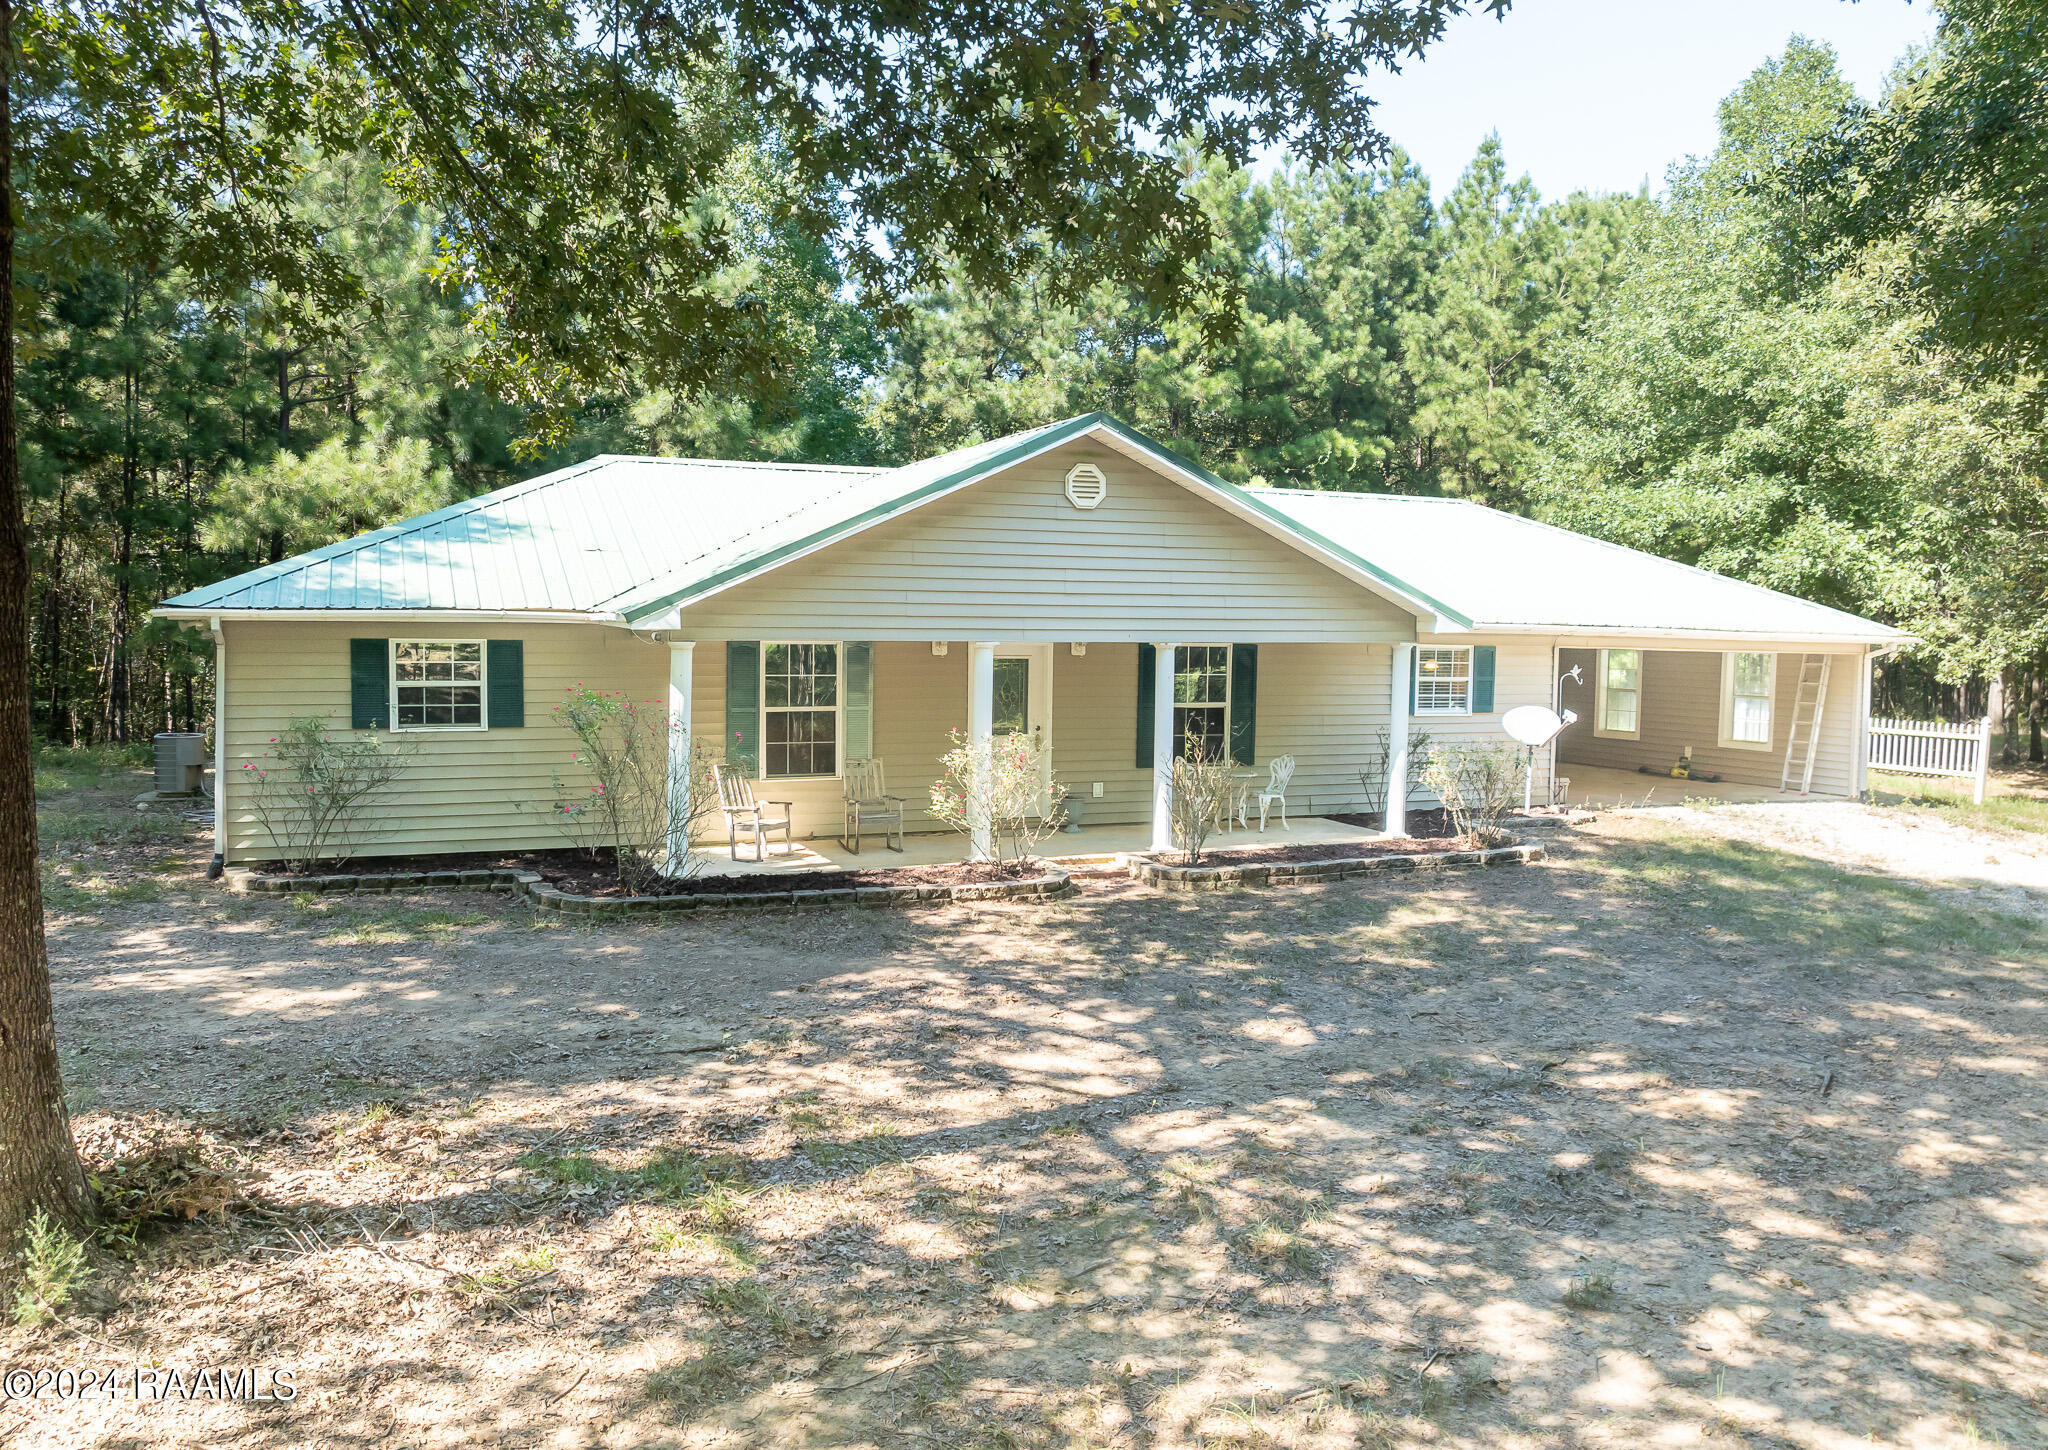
1111	715
936	848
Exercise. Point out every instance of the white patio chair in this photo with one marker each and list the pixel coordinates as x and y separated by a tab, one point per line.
868	802
743	812
1275	792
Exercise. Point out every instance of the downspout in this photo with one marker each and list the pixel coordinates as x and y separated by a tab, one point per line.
219	863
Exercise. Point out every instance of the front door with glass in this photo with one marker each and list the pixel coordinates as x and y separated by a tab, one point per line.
1022	703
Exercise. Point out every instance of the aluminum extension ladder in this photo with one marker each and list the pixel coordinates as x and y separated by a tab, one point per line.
1808	705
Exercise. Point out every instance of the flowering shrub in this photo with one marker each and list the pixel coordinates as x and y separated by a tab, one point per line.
1204	792
314	787
1001	781
1478	784
626	794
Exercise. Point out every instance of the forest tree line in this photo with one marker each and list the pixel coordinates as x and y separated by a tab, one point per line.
1715	373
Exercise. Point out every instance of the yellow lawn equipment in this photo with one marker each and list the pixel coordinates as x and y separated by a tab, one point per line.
1681	769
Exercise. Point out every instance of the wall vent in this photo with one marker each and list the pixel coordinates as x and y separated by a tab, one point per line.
1086	487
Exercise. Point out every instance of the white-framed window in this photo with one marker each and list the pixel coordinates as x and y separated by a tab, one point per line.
1201	700
437	684
1443	680
1748	681
799	710
1619	709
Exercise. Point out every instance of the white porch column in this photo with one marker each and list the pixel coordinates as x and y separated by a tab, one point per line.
682	671
1398	681
1162	747
220	750
981	724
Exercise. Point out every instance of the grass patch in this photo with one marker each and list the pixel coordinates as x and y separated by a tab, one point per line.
504	1281
402	926
675	1238
1591	1289
1952	802
711	1190
1810	909
744	1301
567	1170
76	891
1269	1243
711	1376
73	826
61	769
1189	1183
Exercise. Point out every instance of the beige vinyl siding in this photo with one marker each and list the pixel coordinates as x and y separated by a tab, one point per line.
1681	706
1521	676
919	698
1095	732
1010	559
468	790
1322	704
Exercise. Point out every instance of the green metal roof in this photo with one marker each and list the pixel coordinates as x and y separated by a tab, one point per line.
632	539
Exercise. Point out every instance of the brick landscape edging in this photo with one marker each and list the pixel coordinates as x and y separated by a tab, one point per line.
548	898
1287	873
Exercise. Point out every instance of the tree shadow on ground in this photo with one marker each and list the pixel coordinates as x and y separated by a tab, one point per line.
1669	1136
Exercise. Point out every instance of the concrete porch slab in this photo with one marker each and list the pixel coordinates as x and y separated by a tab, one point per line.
1593	785
941	848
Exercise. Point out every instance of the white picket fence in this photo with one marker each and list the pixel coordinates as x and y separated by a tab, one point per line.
1930	747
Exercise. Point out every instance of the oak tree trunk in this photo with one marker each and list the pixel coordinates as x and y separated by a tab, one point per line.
38	1162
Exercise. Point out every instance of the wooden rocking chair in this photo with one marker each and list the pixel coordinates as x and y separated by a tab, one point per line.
868	802
743	812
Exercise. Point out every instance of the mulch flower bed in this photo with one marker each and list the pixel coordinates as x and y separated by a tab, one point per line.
1430	825
596	881
580	874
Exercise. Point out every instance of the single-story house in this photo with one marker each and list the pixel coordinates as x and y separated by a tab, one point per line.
1077	580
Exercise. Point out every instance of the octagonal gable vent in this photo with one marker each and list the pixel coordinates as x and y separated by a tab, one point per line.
1086	487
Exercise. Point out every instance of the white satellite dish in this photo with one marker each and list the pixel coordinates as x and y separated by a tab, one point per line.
1533	725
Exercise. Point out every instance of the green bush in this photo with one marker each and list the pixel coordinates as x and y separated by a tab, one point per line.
52	1263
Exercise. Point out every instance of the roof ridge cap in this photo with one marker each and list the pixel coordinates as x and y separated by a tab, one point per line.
1373	493
749	463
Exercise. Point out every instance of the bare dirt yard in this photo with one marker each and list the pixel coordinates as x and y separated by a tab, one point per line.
1717	1128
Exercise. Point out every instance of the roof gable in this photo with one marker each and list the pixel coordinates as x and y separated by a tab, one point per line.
912	487
1010	557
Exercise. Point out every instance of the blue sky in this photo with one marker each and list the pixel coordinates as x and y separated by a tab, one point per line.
1599	94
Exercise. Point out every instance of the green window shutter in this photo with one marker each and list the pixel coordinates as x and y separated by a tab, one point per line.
1482	679
1244	702
743	705
505	668
1148	660
860	701
369	684
1414	668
